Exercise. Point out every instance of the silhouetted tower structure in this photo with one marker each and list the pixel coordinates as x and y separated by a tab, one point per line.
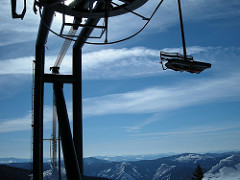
72	147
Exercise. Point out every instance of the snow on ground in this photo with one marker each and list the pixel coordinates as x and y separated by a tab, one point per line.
226	169
52	174
190	157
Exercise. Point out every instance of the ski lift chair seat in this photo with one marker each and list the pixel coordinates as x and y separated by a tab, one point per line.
177	62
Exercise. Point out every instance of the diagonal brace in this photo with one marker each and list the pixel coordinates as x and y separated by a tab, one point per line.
69	153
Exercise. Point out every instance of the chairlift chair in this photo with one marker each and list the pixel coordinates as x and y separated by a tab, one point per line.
179	62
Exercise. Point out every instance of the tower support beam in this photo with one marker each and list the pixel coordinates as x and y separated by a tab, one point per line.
77	106
38	115
47	17
77	87
69	153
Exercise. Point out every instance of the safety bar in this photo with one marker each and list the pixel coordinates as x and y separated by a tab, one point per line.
172	55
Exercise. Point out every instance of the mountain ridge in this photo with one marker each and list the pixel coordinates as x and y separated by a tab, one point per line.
174	167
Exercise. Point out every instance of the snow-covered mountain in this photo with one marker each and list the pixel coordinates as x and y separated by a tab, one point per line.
177	167
135	157
226	169
12	160
221	166
121	171
19	160
192	158
53	174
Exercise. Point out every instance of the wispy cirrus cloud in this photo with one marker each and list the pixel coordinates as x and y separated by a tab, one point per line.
196	130
152	119
23	65
19	124
159	99
121	63
24	123
111	63
149	100
193	11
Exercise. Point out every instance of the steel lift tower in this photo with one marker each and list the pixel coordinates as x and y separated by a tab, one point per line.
92	11
72	147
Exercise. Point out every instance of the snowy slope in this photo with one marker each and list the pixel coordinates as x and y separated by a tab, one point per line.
164	171
177	167
121	171
226	169
191	157
13	160
52	174
134	157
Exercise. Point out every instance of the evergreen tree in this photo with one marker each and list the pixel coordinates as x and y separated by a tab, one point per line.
198	173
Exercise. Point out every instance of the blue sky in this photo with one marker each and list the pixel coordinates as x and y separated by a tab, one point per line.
130	105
